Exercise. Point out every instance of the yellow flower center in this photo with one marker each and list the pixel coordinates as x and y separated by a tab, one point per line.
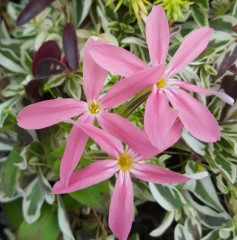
161	83
94	108
125	162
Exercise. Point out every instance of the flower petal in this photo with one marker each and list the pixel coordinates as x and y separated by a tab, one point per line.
191	47
128	133
117	60
44	114
128	87
88	176
158	35
155	174
159	120
195	117
193	88
74	148
106	141
93	75
121	207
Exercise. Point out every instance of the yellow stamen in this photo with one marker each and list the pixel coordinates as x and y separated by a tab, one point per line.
161	83
94	108
125	161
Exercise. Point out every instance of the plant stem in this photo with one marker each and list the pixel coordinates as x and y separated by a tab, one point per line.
100	223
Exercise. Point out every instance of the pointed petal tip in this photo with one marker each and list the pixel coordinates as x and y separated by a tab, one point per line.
225	97
199	175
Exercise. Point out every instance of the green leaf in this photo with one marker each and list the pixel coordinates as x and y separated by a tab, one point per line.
46	228
202	3
181	233
166	222
10	61
213	235
6	107
203	189
200	15
208	217
9	171
234	11
80	10
224	23
194	144
227	168
96	196
73	88
56	80
219	41
33	201
10	210
63	220
26	60
167	196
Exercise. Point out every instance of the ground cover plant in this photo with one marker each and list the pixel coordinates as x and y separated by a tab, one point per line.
118	119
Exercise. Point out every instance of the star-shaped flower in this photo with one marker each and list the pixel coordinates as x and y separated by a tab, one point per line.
196	118
126	163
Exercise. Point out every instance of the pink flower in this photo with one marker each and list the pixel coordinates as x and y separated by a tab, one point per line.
195	117
47	113
126	162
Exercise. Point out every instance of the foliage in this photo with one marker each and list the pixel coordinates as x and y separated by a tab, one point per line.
204	209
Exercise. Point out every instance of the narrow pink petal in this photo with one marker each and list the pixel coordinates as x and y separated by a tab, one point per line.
159	120
193	88
49	112
74	148
174	134
93	75
128	133
106	141
88	176
117	60
128	87
192	46
158	35
195	117
155	174
121	207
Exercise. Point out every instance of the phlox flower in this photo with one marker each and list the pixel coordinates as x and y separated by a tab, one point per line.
46	113
125	163
196	118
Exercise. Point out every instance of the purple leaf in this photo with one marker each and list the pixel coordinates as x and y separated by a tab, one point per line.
33	8
23	137
226	63
70	45
49	66
49	49
233	69
32	89
229	84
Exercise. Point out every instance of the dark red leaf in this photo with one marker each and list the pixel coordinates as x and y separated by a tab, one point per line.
49	49
33	8
233	69
227	62
49	66
23	137
32	89
70	45
229	85
65	62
